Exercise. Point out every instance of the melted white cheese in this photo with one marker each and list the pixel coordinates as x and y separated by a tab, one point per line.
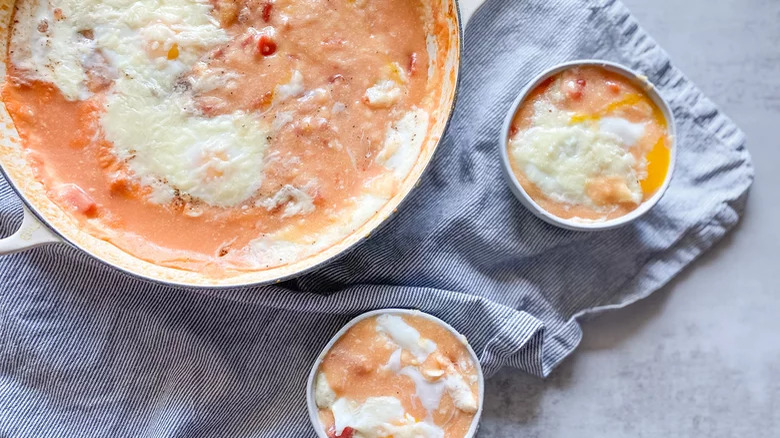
51	50
205	79
385	416
629	133
388	90
281	119
431	384
394	362
323	394
296	201
403	142
563	158
428	388
215	159
405	336
154	127
380	417
384	94
428	392
460	392
292	89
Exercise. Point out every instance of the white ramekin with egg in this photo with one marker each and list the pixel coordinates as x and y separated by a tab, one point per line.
589	145
396	372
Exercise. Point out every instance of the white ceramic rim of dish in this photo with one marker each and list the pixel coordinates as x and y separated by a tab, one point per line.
312	405
581	225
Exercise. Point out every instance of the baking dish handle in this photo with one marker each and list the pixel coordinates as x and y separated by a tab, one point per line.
32	233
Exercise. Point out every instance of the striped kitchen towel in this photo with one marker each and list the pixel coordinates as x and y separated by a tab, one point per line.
86	351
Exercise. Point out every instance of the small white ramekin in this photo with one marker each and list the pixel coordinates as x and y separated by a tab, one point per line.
312	405
587	225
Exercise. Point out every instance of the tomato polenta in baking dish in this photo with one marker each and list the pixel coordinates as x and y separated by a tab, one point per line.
227	135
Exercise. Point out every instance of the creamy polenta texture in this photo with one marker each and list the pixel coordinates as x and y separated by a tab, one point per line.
226	135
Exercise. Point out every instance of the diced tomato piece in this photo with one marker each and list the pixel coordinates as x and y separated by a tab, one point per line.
77	198
267	7
218	53
266	45
575	89
348	432
249	39
613	87
513	130
546	84
413	63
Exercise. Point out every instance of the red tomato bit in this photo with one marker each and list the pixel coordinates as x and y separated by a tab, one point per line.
267	7
266	45
546	84
348	432
249	39
574	89
77	198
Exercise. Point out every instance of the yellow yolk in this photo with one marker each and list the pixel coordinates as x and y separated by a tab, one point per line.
658	159
173	53
630	100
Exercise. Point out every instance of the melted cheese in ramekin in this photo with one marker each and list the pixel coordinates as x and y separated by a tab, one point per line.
562	159
589	144
392	375
192	121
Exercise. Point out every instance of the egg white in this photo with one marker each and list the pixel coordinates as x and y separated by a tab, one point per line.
153	126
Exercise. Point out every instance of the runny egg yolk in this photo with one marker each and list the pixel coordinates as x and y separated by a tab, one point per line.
658	160
659	157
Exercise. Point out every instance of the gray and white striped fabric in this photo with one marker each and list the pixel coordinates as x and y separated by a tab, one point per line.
87	351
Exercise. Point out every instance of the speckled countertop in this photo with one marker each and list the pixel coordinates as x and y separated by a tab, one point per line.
700	358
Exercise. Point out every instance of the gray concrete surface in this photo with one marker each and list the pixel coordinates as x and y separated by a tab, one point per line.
700	358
